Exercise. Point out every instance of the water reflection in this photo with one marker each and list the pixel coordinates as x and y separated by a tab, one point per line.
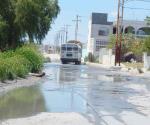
64	101
21	103
68	74
60	94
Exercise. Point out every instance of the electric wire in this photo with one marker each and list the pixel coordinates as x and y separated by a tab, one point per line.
134	8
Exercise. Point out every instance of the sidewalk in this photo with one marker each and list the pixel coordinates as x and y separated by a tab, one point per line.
122	68
98	65
51	119
104	66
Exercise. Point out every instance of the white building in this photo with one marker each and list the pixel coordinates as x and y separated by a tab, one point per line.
100	29
138	28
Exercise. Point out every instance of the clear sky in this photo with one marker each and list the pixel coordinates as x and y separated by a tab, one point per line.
84	8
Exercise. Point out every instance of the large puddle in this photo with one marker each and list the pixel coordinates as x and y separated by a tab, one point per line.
71	88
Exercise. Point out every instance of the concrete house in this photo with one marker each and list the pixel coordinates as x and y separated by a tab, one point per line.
99	30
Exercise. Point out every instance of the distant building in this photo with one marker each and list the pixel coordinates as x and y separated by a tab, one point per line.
49	49
46	48
100	29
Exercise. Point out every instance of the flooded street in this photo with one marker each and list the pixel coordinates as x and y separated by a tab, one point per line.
107	96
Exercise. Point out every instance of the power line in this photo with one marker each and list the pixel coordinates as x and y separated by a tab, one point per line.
62	37
143	0
137	0
134	8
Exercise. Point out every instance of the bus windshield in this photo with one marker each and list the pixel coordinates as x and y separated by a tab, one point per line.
75	48
63	48
69	48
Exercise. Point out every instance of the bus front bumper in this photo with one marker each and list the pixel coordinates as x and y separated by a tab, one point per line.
69	60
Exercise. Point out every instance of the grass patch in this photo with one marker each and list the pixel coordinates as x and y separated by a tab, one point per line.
20	62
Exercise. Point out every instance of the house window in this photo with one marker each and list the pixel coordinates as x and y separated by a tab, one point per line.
100	44
103	32
97	48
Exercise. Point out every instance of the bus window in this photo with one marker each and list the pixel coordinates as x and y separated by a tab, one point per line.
63	48
69	48
80	50
75	48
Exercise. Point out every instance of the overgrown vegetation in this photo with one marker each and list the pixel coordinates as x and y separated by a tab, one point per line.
20	62
147	20
146	45
131	44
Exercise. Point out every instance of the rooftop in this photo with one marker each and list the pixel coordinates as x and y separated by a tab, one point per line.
100	18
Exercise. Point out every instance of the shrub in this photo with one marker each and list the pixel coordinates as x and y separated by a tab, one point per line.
3	70
18	67
7	54
19	63
13	67
33	55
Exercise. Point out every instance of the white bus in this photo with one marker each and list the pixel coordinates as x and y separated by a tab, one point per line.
71	52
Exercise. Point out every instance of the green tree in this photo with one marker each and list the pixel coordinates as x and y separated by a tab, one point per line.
146	46
147	20
35	17
3	32
137	47
11	30
25	18
112	41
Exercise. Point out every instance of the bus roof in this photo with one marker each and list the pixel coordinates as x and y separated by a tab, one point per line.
70	44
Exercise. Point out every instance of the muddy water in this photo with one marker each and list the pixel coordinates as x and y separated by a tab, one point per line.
108	94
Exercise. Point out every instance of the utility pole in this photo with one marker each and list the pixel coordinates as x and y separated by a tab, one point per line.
77	20
66	31
119	31
57	41
62	35
61	38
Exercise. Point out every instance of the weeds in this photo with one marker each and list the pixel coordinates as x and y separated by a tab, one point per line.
20	62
